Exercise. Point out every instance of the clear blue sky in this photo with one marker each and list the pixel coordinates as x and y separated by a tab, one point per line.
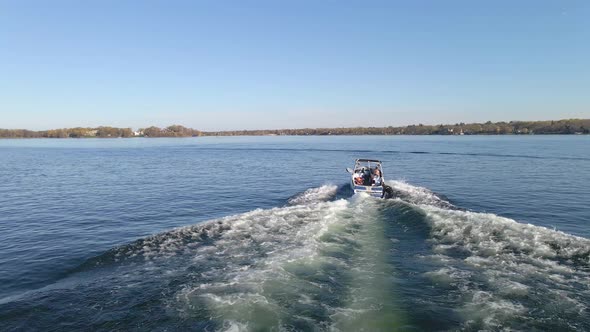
216	65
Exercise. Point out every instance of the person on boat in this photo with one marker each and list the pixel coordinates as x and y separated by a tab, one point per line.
367	176
377	179
357	177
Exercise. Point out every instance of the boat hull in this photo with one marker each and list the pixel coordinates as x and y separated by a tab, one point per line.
375	191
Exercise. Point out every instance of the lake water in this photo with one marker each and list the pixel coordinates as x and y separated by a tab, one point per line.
262	233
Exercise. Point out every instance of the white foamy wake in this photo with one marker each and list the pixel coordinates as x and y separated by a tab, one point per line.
244	277
417	195
320	194
314	266
505	271
318	265
184	240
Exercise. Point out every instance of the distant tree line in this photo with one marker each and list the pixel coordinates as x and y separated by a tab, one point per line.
570	126
67	133
101	132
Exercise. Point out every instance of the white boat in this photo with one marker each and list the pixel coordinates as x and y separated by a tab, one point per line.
367	177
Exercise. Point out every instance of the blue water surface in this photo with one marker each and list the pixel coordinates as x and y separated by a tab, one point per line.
66	201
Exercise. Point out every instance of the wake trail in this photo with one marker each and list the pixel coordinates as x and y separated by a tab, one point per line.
319	194
303	266
502	272
326	263
327	274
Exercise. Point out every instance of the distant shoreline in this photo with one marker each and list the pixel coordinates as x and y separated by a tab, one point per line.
310	135
550	127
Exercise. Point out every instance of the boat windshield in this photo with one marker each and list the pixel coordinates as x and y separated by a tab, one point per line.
367	164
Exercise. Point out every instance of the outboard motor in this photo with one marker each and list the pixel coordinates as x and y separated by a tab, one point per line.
387	192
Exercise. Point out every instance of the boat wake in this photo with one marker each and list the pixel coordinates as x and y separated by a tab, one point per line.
503	273
327	263
320	194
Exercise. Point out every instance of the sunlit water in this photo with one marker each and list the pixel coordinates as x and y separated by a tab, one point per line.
262	233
